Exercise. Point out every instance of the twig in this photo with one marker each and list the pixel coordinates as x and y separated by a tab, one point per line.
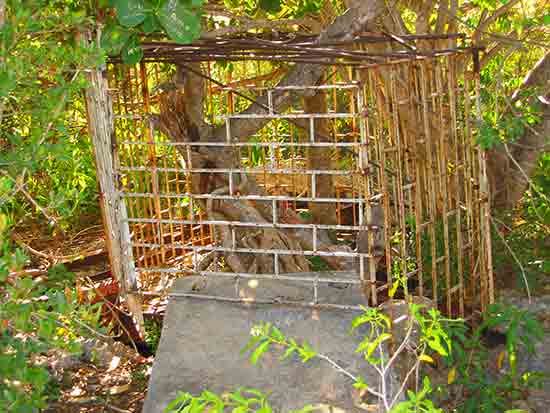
493	17
347	373
526	177
20	187
502	223
403	385
85	230
515	258
115	409
54	259
401	347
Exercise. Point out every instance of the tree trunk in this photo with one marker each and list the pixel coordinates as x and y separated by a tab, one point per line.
179	121
320	158
509	167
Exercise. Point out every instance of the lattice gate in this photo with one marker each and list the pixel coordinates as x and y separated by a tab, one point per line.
384	153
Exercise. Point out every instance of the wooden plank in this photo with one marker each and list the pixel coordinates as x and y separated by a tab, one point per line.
101	127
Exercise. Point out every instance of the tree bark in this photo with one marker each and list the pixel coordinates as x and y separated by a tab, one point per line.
178	120
320	158
509	167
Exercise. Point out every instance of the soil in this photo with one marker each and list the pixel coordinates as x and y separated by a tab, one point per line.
109	376
117	386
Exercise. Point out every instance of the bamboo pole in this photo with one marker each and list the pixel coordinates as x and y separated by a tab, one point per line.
486	272
456	134
431	195
442	156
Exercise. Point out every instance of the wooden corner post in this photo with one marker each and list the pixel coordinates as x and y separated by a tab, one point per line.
113	208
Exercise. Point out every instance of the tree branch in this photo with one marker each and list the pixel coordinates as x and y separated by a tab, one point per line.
484	25
361	13
527	149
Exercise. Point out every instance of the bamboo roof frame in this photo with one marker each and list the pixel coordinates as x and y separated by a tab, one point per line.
297	48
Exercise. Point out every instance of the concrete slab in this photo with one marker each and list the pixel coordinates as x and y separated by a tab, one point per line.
202	339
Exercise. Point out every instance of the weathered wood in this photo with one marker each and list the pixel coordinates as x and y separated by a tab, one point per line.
113	208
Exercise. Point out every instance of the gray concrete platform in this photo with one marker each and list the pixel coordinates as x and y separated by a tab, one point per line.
201	344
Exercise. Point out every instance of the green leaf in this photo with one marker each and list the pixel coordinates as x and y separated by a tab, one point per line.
130	13
271	6
546	19
251	343
7	83
393	289
435	344
289	351
132	52
306	352
276	334
181	23
114	38
151	24
181	399
360	384
426	388
306	409
257	353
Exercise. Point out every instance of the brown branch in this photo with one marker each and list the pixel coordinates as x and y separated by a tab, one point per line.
365	12
20	187
484	25
53	259
253	80
539	75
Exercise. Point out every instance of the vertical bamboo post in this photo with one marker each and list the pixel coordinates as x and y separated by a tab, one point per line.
430	178
486	271
101	126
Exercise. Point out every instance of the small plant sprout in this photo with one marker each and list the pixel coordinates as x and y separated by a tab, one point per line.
374	351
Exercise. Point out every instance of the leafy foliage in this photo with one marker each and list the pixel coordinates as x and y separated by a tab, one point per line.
152	333
487	389
239	401
471	385
179	19
43	67
35	315
379	329
418	402
265	335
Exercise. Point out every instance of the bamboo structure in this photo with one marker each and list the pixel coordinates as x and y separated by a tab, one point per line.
401	138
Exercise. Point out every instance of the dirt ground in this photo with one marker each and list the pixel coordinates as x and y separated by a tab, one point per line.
112	377
119	386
